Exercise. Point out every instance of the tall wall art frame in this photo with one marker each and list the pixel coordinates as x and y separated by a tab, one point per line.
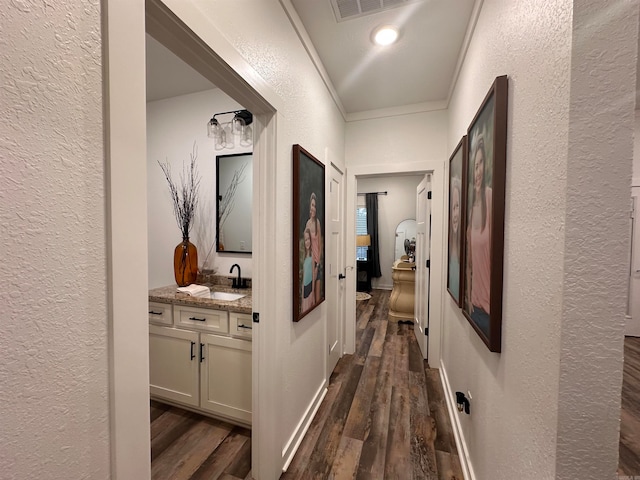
308	230
457	178
484	216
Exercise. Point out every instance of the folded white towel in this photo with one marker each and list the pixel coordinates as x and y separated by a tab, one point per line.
193	290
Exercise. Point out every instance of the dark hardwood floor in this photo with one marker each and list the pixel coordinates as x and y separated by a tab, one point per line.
384	417
188	446
629	459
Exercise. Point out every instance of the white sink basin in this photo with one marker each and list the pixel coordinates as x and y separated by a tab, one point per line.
229	297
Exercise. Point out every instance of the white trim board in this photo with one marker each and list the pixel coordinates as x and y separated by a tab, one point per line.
461	445
290	449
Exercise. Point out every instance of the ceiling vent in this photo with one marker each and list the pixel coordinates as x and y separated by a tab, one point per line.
350	9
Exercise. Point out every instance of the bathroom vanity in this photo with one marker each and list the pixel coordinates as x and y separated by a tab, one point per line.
200	352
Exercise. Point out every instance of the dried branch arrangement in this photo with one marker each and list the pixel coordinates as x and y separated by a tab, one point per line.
184	195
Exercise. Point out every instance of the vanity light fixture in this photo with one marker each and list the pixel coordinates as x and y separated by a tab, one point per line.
224	134
385	35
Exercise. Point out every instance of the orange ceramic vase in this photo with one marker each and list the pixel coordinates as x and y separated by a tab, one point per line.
185	263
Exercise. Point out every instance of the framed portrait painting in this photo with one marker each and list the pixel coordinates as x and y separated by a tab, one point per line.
455	278
484	216
308	233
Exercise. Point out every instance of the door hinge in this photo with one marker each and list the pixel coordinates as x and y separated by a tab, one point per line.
428	263
426	331
256	317
428	195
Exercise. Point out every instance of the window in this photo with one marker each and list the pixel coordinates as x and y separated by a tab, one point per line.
361	229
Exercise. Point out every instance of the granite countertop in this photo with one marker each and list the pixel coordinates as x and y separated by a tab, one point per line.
170	294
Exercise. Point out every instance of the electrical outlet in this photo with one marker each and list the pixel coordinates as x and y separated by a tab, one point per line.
242	245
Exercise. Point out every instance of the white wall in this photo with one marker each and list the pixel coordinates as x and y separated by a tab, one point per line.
173	125
307	115
53	293
555	387
399	204
397	139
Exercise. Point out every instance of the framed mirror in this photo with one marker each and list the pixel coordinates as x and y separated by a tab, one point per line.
405	231
234	190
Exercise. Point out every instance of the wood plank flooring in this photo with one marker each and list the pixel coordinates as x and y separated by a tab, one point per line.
629	456
188	446
384	417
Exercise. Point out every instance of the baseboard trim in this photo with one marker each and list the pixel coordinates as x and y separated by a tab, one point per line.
300	431
461	444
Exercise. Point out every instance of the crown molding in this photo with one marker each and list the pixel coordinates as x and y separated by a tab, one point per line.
294	18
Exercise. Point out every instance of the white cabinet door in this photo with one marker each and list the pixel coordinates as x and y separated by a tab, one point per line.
225	377
173	364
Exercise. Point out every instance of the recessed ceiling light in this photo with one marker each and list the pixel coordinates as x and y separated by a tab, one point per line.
385	35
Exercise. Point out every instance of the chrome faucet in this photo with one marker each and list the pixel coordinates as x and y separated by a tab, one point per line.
238	282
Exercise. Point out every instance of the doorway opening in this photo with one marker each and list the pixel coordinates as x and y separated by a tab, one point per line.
434	305
125	136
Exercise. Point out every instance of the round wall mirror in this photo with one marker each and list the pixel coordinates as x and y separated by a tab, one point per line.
406	230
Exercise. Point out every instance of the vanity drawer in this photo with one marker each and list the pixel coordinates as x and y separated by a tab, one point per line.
161	313
202	318
240	324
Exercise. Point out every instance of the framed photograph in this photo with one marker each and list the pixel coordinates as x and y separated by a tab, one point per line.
455	278
483	245
308	233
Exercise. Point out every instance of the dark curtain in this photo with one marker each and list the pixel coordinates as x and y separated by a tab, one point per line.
372	229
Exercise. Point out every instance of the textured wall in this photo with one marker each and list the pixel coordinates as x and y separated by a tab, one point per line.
538	406
599	166
511	432
53	346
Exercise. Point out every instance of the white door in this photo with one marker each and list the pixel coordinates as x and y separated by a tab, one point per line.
335	270
423	248
632	327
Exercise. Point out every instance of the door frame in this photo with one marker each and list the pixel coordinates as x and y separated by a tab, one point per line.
422	246
437	169
338	301
632	324
126	256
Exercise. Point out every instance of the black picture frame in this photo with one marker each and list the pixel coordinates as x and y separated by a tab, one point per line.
308	260
483	249
457	178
